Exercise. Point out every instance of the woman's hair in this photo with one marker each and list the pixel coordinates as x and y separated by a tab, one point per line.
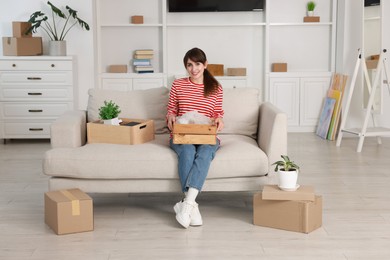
210	83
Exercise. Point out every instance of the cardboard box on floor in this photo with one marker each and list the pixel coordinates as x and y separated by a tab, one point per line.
131	131
68	211
286	210
194	134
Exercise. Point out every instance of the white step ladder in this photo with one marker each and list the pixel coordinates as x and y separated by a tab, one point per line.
366	131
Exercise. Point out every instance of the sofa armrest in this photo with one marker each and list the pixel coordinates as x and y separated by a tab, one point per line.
272	132
69	130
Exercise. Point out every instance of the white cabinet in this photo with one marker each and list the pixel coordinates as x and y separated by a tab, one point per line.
127	82
300	98
34	91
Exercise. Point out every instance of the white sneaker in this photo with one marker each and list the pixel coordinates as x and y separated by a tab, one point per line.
187	213
196	218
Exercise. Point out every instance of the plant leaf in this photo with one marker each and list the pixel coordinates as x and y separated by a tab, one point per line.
56	10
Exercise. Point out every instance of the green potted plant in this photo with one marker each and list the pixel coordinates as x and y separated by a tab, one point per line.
109	113
310	8
287	173
57	27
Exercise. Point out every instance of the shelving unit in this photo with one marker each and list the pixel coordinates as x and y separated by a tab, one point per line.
157	32
309	50
253	40
117	39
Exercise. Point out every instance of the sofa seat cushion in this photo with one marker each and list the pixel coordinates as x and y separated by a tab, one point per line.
239	156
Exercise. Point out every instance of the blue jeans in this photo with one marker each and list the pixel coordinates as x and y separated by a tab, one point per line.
194	163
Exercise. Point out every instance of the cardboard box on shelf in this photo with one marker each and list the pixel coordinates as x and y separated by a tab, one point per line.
194	134
236	71
117	68
68	211
19	29
311	19
216	69
279	67
375	57
137	19
292	215
13	46
372	64
130	132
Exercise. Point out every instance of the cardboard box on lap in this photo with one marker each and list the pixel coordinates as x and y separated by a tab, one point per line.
194	134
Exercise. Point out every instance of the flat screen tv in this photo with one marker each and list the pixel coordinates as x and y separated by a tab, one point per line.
215	5
371	2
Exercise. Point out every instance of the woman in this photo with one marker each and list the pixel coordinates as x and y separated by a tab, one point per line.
199	92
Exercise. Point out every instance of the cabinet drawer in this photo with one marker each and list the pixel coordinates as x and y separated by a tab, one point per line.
147	83
27	129
117	84
47	65
235	83
33	78
34	110
31	94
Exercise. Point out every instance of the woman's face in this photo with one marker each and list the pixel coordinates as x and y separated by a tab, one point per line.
195	70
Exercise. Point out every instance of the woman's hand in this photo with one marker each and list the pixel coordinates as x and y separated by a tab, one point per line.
219	123
170	121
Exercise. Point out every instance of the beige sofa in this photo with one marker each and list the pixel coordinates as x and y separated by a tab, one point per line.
255	135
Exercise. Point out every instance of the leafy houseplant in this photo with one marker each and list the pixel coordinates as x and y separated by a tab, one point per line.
287	173
56	31
310	8
109	113
57	28
286	164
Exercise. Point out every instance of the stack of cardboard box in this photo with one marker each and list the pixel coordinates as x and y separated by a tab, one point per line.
22	44
299	210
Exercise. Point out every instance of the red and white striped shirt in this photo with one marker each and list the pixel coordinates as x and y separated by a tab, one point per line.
186	96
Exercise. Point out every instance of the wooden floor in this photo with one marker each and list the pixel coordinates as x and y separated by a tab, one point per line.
356	213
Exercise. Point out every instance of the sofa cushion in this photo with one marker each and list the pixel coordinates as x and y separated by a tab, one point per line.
241	106
238	156
136	104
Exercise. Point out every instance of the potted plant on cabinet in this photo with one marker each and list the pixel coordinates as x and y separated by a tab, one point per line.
109	113
310	8
57	27
287	171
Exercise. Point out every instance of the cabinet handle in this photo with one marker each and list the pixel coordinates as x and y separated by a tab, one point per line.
34	94
35	110
34	78
52	65
14	65
35	129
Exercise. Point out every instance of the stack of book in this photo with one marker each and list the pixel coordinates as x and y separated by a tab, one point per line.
142	61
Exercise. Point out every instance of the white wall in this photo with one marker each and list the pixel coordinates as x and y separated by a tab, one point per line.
79	42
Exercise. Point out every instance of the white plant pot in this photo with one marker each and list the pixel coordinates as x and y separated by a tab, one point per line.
288	179
113	121
57	48
310	13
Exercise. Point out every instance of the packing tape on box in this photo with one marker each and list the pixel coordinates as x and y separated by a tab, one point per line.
75	202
